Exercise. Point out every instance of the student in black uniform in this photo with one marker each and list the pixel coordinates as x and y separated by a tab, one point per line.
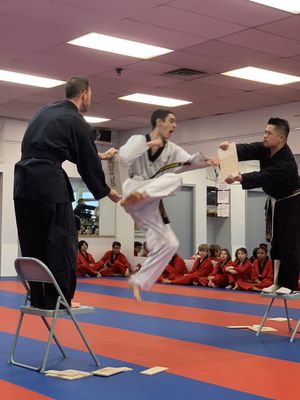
42	190
278	177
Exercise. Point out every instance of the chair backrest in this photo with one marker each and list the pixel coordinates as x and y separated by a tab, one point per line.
34	270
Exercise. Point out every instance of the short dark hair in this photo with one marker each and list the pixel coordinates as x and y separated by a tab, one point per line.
81	243
281	124
75	86
136	244
214	250
116	244
160	113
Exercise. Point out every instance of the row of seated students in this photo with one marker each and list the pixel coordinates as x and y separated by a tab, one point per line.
113	262
213	267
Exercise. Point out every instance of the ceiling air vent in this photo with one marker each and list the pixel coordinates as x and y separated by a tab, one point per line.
186	73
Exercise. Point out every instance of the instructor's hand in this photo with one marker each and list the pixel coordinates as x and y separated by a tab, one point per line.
231	179
224	145
114	196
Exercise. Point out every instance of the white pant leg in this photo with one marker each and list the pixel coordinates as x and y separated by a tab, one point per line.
166	185
161	243
161	240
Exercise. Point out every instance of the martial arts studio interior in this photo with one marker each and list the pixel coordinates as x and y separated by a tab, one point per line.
184	328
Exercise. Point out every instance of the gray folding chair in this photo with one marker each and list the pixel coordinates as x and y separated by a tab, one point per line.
33	270
285	298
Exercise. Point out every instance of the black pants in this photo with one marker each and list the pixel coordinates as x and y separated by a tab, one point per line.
47	231
286	241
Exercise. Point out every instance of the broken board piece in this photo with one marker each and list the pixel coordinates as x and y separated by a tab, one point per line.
154	370
255	328
109	371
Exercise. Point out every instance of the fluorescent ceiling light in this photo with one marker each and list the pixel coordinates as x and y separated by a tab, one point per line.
25	79
119	46
95	120
291	6
157	100
262	75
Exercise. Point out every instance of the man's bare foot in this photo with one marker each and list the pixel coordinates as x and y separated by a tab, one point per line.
126	274
255	289
136	292
166	281
74	304
133	198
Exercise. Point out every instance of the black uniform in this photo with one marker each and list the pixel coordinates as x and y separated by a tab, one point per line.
279	179
43	193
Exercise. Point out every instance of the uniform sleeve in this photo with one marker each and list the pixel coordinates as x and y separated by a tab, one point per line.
85	156
132	149
277	173
249	151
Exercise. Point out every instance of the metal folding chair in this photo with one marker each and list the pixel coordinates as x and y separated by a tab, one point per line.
33	270
285	298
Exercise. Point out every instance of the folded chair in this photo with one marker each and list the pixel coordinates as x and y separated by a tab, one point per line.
33	270
285	298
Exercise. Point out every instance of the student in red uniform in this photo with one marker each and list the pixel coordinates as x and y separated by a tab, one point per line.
196	255
175	269
202	267
218	277
114	263
214	253
241	270
262	273
86	265
138	247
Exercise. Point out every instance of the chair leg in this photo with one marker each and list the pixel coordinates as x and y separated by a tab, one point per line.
83	338
11	356
51	334
265	317
295	331
55	338
287	315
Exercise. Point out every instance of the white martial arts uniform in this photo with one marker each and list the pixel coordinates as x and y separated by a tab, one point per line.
155	176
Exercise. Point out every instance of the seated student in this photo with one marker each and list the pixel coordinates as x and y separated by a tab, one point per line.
86	265
176	268
261	275
138	247
214	253
202	267
254	255
241	270
144	252
218	277
196	255
114	263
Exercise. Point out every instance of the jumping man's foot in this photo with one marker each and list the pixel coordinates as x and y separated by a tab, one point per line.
74	304
127	273
136	292
133	198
